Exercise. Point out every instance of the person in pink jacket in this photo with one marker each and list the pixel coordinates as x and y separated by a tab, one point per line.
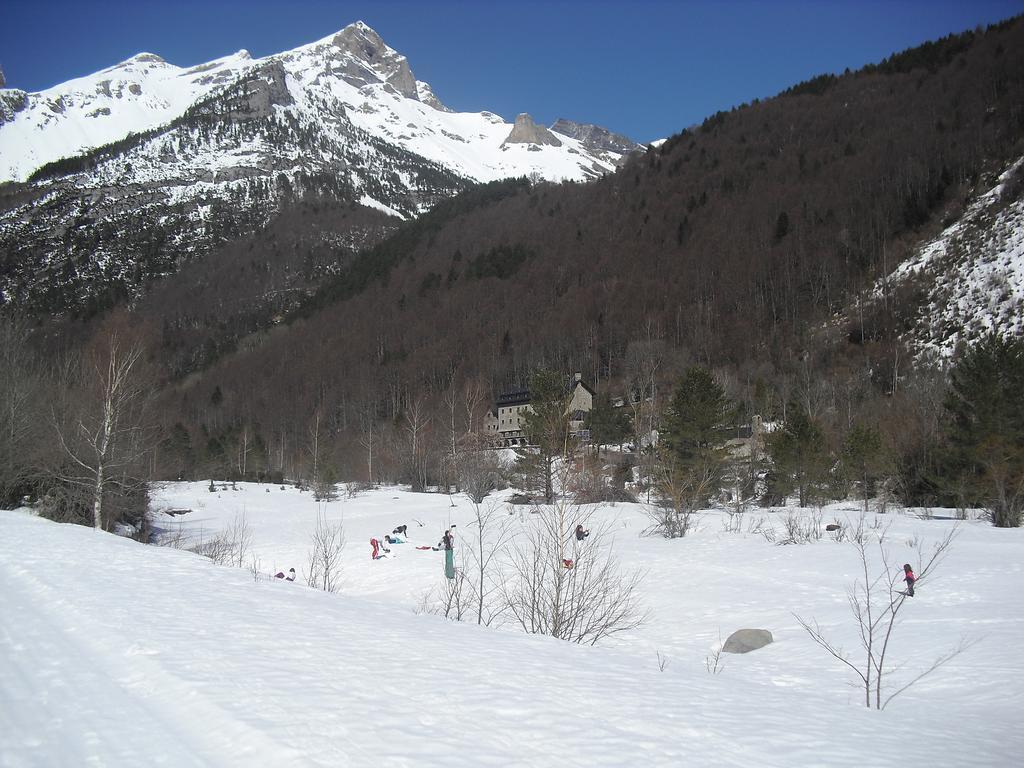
910	578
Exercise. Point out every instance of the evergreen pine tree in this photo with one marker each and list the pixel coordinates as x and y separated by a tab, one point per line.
799	456
692	437
546	427
608	425
985	406
865	458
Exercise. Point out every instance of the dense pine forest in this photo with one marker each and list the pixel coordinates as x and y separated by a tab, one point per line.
736	270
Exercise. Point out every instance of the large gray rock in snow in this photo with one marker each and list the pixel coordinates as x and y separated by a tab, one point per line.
525	131
746	640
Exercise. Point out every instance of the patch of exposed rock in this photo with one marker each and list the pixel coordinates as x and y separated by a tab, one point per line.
264	89
525	131
11	102
595	138
365	59
428	97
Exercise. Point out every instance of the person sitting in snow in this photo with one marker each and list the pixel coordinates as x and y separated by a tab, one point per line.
289	577
580	533
910	578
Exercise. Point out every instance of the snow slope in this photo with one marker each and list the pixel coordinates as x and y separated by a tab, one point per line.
119	654
973	272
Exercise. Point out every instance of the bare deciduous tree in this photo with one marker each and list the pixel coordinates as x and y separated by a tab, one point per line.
478	468
490	534
681	491
416	424
229	547
324	562
451	598
875	603
555	585
106	439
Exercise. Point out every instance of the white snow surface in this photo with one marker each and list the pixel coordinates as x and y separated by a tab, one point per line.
116	653
146	92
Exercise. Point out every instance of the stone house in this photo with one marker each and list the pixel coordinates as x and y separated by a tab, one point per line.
505	419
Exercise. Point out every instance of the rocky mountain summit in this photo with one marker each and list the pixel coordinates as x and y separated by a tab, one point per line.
525	131
124	175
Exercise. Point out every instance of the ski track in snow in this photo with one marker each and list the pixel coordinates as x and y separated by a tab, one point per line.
118	654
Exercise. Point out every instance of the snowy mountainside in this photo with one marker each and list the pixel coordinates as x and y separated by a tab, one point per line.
350	78
972	274
121	176
133	96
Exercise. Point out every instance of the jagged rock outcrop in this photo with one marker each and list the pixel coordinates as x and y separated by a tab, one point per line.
11	102
595	138
525	131
3	80
262	91
365	58
428	97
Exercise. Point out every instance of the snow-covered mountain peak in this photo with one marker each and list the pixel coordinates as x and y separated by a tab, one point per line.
360	56
146	58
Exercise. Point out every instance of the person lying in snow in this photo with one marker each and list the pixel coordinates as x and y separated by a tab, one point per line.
289	577
393	539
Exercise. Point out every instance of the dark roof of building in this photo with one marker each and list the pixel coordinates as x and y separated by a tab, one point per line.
514	397
522	396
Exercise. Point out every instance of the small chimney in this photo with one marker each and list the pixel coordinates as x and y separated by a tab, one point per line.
577	376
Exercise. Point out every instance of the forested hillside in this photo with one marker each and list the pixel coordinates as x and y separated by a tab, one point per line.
736	245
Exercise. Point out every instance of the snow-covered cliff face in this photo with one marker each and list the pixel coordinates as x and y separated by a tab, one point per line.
123	174
972	274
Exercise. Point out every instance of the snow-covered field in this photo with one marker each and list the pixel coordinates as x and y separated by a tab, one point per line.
114	653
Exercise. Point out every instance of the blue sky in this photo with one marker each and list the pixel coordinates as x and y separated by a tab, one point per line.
646	68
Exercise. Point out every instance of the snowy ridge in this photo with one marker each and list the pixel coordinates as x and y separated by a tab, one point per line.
196	664
973	272
350	77
134	96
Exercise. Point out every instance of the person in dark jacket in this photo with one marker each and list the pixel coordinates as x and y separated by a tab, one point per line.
580	533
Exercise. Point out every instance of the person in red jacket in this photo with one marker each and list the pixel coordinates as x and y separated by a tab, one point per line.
910	578
377	547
